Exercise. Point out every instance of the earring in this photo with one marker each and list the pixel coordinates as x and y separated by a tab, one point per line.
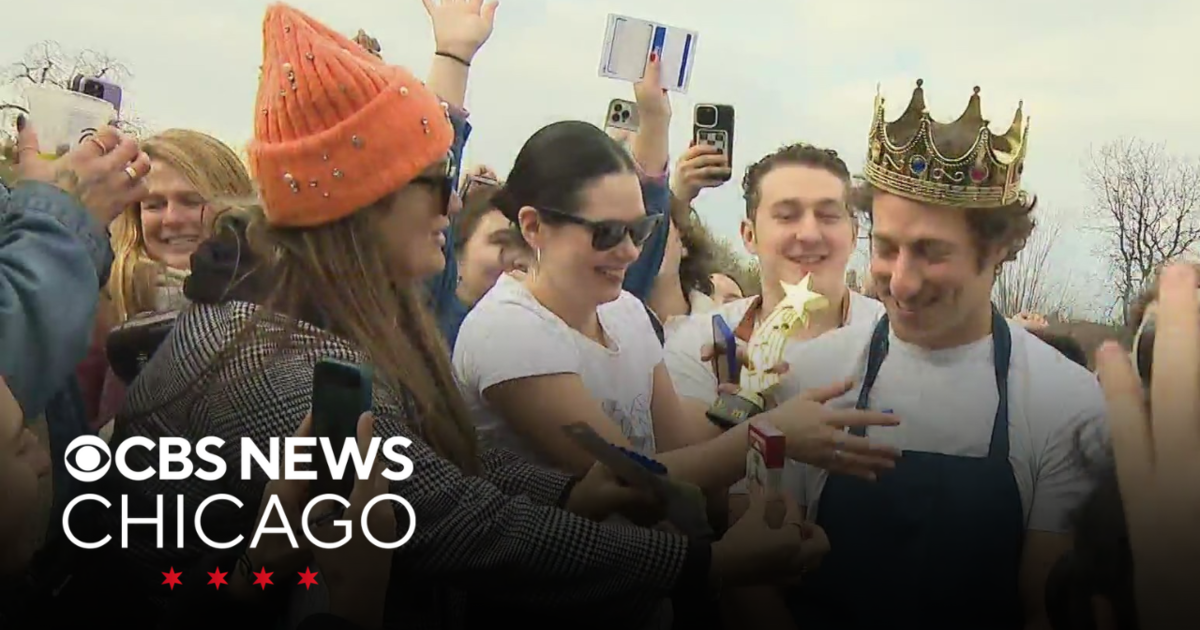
537	255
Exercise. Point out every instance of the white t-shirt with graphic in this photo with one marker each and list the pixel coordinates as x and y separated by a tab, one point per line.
509	335
946	401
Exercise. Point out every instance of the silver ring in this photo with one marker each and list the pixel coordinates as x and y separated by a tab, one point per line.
132	173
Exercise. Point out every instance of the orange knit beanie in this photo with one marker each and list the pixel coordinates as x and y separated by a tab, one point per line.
335	129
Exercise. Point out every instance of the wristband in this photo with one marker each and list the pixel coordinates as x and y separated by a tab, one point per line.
454	57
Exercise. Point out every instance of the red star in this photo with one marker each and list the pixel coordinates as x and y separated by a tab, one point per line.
172	578
217	578
308	578
262	578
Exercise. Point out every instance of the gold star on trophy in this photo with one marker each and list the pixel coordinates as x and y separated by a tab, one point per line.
765	351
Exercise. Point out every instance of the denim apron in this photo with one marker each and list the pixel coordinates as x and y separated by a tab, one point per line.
933	544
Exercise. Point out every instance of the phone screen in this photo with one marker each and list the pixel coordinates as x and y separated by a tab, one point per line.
341	393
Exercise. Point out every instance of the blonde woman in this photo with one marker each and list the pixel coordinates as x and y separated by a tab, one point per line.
153	242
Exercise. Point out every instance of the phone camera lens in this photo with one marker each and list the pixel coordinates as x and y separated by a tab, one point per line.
625	115
616	118
617	107
706	116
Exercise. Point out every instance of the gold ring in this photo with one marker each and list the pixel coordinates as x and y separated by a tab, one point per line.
132	173
103	149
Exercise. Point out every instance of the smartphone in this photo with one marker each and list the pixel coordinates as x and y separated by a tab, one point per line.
712	124
130	345
622	115
341	393
98	88
725	363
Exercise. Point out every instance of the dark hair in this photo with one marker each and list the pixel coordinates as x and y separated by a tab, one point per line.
555	164
799	154
697	267
1066	345
1007	227
476	206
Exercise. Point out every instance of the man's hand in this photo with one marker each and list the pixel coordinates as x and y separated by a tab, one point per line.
105	172
461	27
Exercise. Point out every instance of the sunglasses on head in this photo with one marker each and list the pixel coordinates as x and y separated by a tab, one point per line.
609	233
442	183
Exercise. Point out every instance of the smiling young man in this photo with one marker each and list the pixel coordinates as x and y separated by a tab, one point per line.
964	531
798	222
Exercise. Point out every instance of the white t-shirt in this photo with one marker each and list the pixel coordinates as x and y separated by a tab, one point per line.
946	401
509	335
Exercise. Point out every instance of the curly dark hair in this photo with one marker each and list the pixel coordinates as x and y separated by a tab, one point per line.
798	154
697	267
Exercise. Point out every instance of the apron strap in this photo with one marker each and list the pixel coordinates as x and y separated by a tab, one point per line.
1001	360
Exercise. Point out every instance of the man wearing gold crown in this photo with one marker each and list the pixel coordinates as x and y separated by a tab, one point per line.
964	531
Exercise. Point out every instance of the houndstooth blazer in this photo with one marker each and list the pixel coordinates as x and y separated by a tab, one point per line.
480	542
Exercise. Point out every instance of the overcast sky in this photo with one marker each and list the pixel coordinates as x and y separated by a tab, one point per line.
1088	72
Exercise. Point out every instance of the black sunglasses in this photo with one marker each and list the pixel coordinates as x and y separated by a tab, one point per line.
609	233
443	184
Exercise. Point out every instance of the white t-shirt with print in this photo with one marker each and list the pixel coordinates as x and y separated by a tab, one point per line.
946	401
694	377
509	335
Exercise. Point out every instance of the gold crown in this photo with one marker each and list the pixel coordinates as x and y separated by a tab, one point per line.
904	158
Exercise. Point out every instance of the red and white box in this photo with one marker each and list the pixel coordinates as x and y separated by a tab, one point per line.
765	458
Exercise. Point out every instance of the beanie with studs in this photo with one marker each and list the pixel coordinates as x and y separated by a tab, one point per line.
336	129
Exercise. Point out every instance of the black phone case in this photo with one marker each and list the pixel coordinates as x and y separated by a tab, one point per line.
131	345
719	135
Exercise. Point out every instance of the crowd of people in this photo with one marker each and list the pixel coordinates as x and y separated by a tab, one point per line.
948	467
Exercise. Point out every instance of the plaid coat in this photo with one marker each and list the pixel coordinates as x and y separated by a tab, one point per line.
484	543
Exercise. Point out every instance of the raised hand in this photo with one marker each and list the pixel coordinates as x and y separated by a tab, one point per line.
652	100
1156	441
461	27
105	172
701	166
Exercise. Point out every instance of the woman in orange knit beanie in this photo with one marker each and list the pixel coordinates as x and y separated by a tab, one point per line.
350	158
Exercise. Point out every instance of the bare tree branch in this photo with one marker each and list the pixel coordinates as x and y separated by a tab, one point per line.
46	63
1023	285
1147	204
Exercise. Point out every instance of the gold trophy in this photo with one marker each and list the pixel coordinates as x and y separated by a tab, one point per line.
765	351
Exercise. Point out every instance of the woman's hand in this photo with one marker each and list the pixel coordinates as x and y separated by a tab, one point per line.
357	573
701	166
600	495
105	172
461	27
753	552
653	101
1157	449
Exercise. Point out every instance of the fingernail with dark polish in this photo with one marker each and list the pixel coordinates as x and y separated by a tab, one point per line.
20	122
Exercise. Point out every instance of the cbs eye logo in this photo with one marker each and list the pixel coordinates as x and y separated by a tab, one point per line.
88	458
